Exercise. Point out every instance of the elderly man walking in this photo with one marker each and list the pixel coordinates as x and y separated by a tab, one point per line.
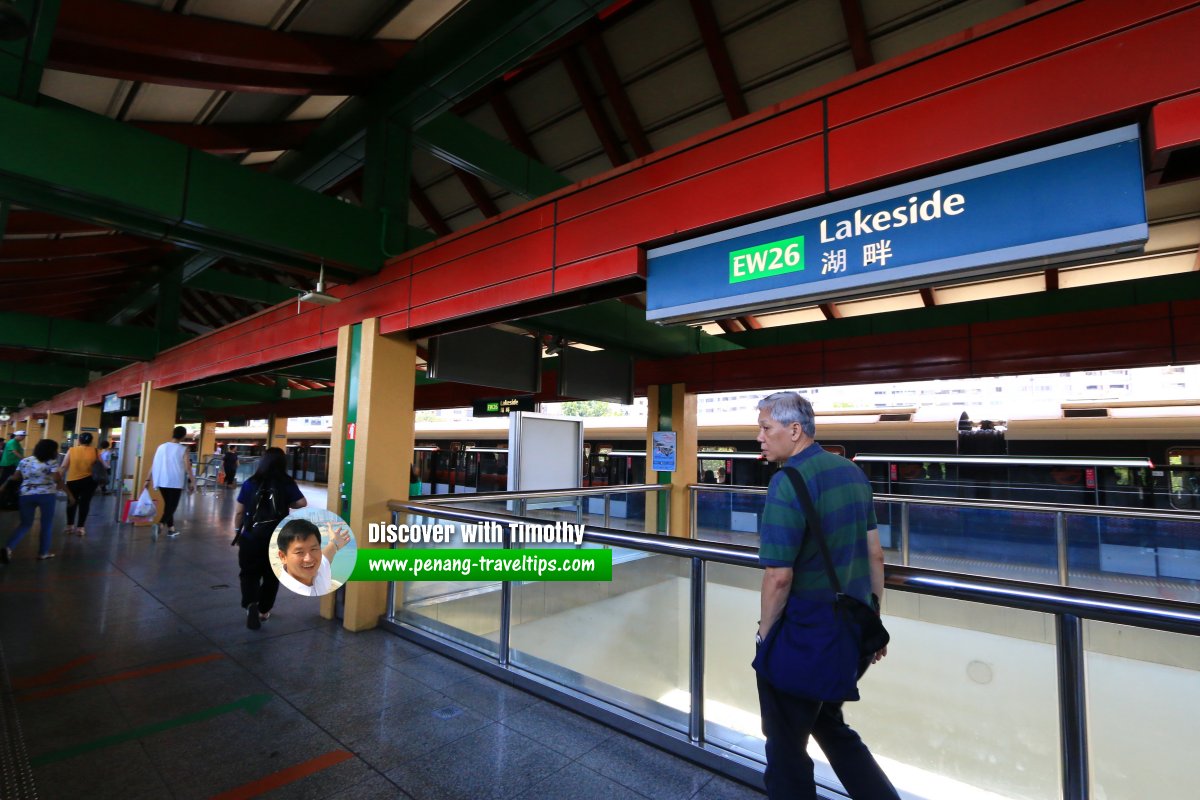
794	566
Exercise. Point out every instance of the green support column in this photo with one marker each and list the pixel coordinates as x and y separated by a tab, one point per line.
386	178
22	61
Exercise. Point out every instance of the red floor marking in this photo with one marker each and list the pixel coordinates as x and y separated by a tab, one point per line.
120	676
51	676
285	776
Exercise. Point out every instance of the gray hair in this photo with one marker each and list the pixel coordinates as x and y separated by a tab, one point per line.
790	407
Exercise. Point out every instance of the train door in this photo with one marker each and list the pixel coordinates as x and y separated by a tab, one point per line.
1183	476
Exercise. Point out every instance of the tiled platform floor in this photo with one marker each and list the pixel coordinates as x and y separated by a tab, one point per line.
134	676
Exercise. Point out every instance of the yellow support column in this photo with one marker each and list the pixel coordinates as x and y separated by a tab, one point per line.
33	428
208	442
87	418
54	428
277	432
383	445
677	415
157	409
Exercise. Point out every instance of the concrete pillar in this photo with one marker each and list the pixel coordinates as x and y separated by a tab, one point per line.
277	432
53	429
376	378
87	418
157	409
671	408
33	433
208	441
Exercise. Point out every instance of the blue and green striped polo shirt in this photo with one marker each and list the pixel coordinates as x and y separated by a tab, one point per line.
842	496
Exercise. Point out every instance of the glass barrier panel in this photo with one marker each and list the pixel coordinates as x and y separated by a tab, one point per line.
729	517
626	642
626	510
467	612
1018	545
1143	699
1145	557
964	706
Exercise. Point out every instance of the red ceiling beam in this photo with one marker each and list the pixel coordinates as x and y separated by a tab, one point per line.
611	81
234	139
105	63
34	249
593	109
856	32
22	271
928	297
428	211
718	56
43	224
730	325
144	32
1052	279
750	322
830	310
478	192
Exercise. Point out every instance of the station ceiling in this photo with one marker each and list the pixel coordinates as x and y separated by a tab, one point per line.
502	106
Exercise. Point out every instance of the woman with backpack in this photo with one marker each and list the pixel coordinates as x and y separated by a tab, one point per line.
263	501
78	471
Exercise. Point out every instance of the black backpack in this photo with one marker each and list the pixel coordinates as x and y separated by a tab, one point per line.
270	506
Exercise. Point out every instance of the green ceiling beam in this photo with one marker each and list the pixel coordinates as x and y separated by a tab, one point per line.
160	189
233	390
22	61
613	325
477	44
73	336
226	283
458	142
41	374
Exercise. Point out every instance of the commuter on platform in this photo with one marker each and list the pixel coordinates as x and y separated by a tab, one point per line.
170	472
721	477
262	503
708	477
414	482
307	566
794	566
40	482
106	454
14	451
229	465
76	472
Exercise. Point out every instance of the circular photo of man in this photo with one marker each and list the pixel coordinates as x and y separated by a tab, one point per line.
313	552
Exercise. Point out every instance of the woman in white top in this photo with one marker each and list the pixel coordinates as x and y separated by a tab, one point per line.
170	472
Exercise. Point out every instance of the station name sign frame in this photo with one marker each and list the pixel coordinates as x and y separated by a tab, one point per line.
1069	202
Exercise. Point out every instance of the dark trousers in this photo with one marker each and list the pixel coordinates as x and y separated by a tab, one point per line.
788	721
259	584
44	505
170	503
82	490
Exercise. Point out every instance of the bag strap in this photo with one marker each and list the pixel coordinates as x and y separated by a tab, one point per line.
814	524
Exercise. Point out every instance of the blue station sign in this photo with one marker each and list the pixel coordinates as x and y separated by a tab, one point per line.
1069	202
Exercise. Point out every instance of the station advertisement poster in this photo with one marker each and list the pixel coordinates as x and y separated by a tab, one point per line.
663	457
1065	203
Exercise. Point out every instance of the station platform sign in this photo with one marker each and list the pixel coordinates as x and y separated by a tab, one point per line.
1067	203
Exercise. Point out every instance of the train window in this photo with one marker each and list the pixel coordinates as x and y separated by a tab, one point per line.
1184	471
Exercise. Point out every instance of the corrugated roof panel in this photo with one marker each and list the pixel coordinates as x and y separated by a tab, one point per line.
779	42
655	32
416	18
689	126
157	103
259	12
543	97
940	25
98	95
341	18
241	107
789	85
568	141
317	107
682	85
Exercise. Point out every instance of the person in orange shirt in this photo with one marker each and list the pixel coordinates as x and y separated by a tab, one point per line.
76	470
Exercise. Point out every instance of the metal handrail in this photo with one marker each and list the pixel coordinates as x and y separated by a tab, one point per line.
1002	505
541	494
1050	508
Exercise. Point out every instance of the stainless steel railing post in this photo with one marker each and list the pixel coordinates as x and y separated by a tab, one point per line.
1060	538
607	509
904	534
391	588
694	505
505	606
696	670
1072	707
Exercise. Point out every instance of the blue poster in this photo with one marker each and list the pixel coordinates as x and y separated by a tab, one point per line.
1068	202
662	459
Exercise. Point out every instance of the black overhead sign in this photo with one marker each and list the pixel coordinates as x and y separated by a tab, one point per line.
502	406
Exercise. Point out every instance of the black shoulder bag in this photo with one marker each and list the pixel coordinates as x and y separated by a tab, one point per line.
814	649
